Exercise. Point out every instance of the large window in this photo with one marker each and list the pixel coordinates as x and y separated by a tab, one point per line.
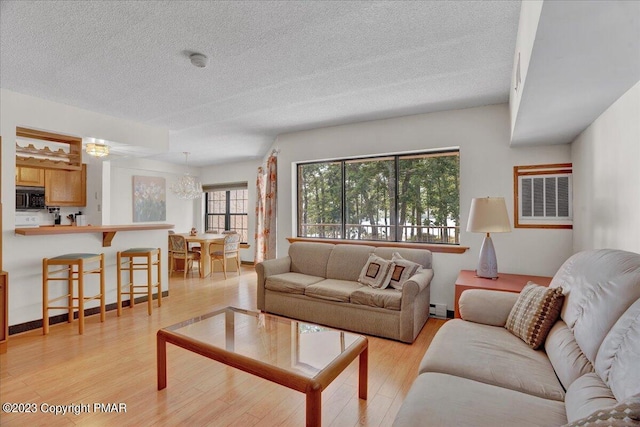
398	198
226	209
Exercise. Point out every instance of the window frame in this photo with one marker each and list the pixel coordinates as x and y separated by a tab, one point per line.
227	213
541	171
397	157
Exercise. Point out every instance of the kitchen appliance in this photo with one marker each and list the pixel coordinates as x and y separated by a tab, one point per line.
29	198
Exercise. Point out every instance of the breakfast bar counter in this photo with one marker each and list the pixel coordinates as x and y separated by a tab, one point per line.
108	231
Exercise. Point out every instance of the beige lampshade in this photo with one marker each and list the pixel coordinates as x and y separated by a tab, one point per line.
488	215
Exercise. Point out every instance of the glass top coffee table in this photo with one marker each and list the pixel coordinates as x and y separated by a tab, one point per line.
302	356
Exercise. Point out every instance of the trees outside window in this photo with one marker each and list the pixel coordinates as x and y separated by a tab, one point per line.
227	210
398	198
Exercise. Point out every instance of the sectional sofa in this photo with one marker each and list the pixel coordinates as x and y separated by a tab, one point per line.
318	283
477	373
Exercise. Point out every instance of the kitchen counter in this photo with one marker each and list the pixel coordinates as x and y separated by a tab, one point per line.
108	231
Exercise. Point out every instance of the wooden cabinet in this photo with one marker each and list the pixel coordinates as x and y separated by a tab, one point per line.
65	188
30	177
467	279
4	310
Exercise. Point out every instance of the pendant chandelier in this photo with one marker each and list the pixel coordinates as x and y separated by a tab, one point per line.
97	150
187	187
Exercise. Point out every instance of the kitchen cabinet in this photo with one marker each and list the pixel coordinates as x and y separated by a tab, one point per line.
4	284
4	310
65	187
29	177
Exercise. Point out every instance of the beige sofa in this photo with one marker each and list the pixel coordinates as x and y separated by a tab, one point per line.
476	373
318	282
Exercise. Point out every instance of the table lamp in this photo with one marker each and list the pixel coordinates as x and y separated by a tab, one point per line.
488	215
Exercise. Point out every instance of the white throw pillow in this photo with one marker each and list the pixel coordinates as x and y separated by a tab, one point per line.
401	271
376	272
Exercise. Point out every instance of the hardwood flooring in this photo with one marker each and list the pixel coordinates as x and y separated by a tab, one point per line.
115	363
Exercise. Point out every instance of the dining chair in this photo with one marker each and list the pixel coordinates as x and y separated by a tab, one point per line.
223	252
179	250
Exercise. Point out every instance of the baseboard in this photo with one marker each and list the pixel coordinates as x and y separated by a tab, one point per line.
450	313
62	318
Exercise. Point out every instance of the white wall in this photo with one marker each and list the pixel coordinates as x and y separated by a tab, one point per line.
486	162
23	254
606	178
527	28
238	172
184	214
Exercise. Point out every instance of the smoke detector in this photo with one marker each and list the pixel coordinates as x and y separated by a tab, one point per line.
199	60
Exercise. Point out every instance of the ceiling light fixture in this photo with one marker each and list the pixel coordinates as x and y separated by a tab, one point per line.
199	60
187	187
97	150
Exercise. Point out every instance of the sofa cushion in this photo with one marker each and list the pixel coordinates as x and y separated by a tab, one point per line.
623	414
310	258
618	360
420	256
384	298
346	261
332	290
448	401
401	270
586	395
492	355
567	359
375	272
599	286
534	313
292	283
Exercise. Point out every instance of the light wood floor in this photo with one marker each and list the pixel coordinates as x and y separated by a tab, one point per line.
115	362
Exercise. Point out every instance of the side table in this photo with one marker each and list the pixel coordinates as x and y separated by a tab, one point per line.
467	279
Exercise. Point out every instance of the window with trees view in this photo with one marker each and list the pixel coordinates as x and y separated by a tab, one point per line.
227	210
397	198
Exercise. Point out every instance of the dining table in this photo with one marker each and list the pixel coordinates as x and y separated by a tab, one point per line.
205	240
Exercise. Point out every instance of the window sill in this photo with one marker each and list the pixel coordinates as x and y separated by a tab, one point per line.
448	249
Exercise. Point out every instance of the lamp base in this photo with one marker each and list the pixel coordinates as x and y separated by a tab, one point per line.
487	264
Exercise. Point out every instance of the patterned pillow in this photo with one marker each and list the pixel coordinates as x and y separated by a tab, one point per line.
375	272
534	313
401	271
623	414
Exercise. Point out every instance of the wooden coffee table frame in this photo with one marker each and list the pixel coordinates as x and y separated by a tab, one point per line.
312	387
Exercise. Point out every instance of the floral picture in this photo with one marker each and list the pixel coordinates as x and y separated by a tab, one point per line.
149	199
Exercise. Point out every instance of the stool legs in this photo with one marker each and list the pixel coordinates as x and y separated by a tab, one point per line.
80	296
119	283
131	267
75	272
159	277
149	285
103	305
45	297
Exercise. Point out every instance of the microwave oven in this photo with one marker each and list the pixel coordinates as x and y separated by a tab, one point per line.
29	198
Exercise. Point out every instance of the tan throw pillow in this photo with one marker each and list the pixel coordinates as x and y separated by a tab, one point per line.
401	271
534	313
375	272
623	414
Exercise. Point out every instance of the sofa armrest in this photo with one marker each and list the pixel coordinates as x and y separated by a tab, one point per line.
268	268
414	306
485	306
417	283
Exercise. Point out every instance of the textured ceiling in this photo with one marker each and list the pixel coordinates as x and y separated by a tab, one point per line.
274	67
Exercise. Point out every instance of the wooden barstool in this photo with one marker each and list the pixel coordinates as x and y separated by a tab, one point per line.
74	266
130	265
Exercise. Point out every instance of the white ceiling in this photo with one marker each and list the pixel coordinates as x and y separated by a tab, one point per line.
274	66
586	54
